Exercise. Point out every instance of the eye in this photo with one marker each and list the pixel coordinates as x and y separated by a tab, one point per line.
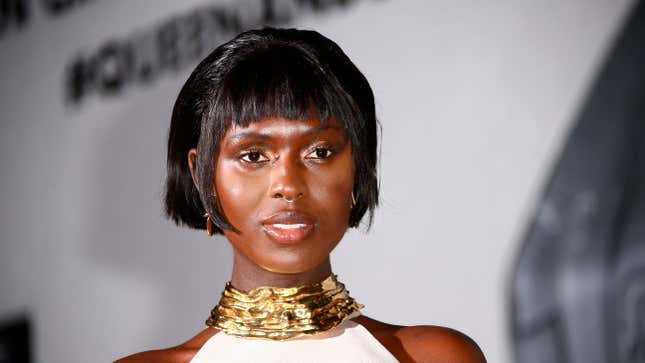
253	157
320	153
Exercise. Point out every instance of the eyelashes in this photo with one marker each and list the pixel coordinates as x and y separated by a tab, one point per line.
253	157
321	152
258	157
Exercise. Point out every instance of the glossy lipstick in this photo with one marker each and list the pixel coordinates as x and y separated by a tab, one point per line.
288	227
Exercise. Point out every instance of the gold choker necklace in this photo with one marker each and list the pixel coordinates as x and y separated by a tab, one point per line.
278	313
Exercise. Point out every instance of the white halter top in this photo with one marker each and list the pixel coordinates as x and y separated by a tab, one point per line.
348	342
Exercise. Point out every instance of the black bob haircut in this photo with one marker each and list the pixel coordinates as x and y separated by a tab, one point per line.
286	73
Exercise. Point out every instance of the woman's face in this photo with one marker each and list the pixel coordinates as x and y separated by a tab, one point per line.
286	186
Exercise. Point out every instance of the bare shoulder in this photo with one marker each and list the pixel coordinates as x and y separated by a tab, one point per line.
425	343
439	344
182	353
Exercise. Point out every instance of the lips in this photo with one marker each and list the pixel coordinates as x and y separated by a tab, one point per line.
288	227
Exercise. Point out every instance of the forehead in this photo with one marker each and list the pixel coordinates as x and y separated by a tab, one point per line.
282	127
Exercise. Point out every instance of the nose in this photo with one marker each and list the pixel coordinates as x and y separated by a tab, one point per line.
287	180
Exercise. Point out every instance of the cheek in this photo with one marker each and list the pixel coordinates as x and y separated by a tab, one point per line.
332	188
238	194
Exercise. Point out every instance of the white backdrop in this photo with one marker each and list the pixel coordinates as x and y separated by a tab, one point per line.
475	99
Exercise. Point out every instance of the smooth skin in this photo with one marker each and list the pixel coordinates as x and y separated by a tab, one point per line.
259	169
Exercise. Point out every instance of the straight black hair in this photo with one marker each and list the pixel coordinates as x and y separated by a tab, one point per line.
286	73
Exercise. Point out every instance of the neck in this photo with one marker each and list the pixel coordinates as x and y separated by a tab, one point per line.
247	275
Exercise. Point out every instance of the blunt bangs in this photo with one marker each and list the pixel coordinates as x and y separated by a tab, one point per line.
282	81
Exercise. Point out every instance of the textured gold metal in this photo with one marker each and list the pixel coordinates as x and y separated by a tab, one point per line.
283	313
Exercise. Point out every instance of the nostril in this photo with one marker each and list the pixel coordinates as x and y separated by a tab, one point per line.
287	199
294	199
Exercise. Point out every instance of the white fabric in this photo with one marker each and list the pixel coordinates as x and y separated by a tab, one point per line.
348	342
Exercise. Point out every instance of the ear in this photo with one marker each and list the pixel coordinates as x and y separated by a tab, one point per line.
192	164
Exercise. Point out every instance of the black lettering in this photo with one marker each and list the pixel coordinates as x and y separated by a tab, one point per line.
322	5
248	14
193	31
13	12
268	15
343	2
225	21
313	4
167	45
112	67
144	56
278	11
76	81
56	7
145	64
213	31
60	7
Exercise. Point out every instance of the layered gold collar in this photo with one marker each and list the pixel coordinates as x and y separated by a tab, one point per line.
283	313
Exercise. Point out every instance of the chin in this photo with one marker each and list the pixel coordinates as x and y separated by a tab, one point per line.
290	264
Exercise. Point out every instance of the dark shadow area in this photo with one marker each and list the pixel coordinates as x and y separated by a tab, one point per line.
578	289
15	340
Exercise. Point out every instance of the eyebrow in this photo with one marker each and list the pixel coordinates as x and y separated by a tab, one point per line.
259	135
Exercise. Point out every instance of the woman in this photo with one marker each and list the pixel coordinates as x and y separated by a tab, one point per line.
273	142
